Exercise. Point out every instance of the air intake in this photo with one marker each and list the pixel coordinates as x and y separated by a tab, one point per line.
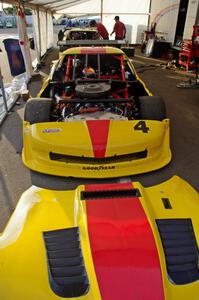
67	273
93	161
89	195
180	249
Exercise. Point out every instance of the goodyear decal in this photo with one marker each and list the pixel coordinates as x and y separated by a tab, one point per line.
99	168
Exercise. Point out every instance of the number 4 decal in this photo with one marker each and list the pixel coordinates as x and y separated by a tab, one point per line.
141	125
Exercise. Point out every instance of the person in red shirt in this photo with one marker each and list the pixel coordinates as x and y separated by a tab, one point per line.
119	29
100	28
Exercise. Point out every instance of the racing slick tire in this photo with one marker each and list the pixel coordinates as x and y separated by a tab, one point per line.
37	110
152	108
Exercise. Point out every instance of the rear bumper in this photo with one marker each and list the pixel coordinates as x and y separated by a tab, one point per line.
38	158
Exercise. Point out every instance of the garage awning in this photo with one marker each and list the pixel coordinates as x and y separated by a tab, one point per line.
54	5
135	15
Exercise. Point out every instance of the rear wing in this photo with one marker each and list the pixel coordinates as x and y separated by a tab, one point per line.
75	43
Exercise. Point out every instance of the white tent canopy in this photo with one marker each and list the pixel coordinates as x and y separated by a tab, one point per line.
42	24
43	31
135	15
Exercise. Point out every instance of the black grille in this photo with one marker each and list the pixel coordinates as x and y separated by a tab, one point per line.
93	160
88	195
166	203
67	273
180	249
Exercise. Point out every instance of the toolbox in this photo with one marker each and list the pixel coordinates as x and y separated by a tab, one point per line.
129	51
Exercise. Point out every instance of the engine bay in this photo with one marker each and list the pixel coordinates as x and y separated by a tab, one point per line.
94	86
92	101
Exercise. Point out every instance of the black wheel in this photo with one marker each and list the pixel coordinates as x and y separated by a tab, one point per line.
37	110
152	108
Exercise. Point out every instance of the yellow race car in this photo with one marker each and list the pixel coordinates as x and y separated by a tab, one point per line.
74	35
107	241
95	118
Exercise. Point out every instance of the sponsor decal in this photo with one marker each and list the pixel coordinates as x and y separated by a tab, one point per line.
51	130
98	168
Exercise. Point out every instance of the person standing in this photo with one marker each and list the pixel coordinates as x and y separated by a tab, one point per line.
119	29
69	23
100	28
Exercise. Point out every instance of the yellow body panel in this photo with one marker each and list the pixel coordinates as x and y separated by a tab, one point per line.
185	204
23	267
64	138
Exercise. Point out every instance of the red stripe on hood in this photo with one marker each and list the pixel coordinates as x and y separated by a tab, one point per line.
123	248
98	131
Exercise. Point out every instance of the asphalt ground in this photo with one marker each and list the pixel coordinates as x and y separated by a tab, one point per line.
182	109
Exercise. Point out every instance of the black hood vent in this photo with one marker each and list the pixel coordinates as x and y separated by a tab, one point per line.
180	249
103	194
66	269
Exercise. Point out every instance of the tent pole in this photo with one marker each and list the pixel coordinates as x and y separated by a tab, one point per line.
3	91
39	30
46	30
197	16
101	13
149	16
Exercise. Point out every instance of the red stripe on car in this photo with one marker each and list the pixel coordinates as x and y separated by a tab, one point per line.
123	247
98	131
94	50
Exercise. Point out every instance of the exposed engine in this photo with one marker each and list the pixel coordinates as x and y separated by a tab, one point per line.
92	101
94	86
90	112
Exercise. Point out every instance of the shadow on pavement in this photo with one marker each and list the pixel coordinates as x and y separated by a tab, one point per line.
6	200
12	129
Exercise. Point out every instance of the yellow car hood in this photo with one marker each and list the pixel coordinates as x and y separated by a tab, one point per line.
105	148
111	241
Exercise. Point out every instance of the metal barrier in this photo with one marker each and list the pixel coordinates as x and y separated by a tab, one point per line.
3	100
9	95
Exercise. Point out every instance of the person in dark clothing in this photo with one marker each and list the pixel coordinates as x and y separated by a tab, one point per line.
60	35
69	23
100	28
119	29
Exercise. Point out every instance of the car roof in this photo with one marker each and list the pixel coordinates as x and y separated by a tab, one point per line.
92	50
